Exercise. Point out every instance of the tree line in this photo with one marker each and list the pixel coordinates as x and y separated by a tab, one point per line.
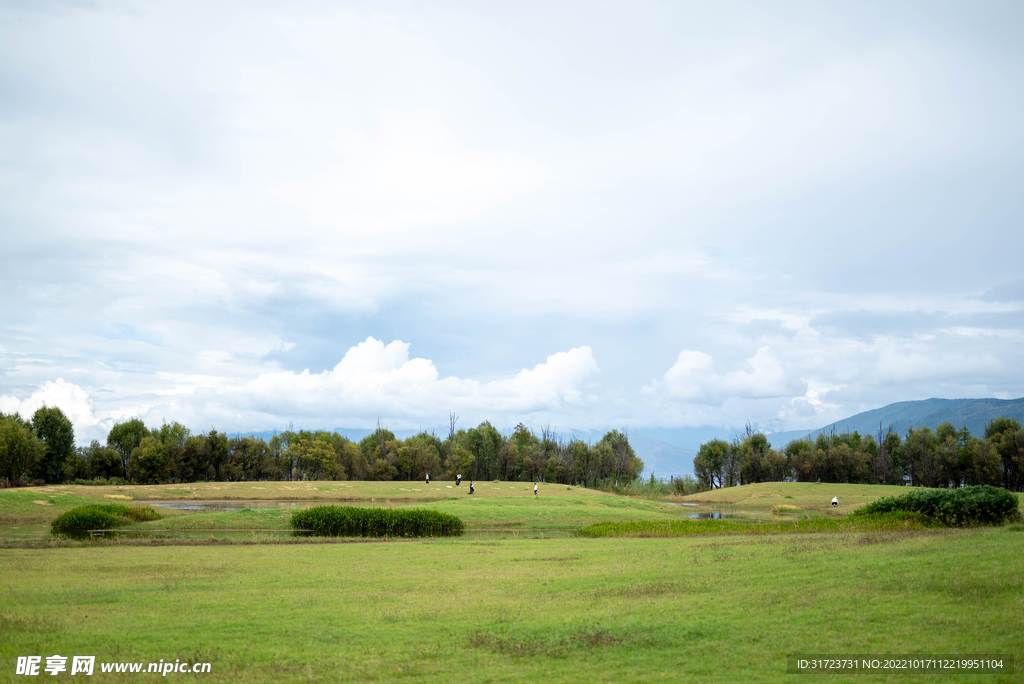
945	457
42	450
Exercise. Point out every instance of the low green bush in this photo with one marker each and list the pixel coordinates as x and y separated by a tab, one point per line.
976	505
78	521
348	521
133	513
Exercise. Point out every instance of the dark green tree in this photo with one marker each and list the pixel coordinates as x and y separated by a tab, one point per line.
149	462
20	449
709	463
54	429
124	437
1006	436
102	462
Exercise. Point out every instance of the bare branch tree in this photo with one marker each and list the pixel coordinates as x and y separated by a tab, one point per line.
381	442
452	420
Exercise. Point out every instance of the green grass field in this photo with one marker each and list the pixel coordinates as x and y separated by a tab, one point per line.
695	608
497	506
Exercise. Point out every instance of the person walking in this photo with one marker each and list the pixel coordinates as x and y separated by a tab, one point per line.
470	486
458	479
835	501
535	489
428	478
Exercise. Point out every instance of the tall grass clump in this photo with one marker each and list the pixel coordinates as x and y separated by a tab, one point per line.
650	488
77	522
348	521
686	485
976	505
132	513
640	488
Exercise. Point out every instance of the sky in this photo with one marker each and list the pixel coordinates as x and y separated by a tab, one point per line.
245	215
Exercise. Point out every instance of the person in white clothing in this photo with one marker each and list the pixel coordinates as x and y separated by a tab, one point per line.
535	489
835	501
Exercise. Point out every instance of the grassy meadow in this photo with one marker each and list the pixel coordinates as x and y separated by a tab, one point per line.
706	608
812	498
494	505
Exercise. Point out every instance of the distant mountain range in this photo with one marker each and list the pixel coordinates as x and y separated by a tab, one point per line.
974	413
683	443
670	451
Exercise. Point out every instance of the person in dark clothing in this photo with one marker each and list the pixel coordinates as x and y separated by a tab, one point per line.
470	486
458	479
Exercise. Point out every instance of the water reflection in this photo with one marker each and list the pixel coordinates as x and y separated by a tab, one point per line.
711	515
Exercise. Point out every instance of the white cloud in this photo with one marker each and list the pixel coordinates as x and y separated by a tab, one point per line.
372	379
492	181
69	398
376	379
692	378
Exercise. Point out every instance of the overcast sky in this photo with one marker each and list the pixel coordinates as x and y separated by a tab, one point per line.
586	214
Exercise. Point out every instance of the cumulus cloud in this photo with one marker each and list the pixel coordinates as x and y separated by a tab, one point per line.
376	379
69	398
692	378
372	380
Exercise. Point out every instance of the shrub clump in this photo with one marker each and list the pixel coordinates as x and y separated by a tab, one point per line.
78	521
976	505
348	521
133	513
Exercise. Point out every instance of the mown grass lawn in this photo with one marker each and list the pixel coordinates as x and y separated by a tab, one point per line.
708	608
714	609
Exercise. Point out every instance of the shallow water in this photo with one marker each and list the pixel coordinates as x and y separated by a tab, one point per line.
713	515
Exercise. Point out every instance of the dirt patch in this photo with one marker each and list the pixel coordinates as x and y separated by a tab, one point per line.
533	645
41	502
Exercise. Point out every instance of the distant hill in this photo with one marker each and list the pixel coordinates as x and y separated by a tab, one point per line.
661	459
974	413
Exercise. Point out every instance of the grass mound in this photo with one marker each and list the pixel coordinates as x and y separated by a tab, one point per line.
77	522
977	505
349	521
